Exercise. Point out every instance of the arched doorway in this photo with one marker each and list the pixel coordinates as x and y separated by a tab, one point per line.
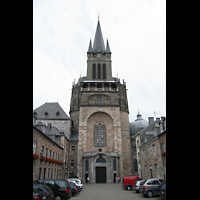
101	171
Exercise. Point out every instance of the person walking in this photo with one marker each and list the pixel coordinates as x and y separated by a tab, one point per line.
88	180
118	179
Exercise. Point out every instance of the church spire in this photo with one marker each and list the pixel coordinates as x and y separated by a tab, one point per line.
98	45
90	50
107	47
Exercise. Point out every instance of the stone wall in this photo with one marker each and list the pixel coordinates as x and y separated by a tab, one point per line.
126	144
88	116
149	160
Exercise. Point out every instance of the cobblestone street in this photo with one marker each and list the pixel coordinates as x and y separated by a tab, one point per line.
109	192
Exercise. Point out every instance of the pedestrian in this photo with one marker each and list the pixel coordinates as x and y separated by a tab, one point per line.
88	180
115	179
118	179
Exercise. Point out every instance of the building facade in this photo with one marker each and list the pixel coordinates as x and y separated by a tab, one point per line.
99	110
151	148
135	127
54	122
47	156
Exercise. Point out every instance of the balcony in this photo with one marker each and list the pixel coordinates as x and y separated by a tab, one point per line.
99	87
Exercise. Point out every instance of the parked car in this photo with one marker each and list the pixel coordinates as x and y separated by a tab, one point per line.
38	195
136	186
141	185
47	190
163	191
77	186
60	187
78	181
128	181
152	187
74	189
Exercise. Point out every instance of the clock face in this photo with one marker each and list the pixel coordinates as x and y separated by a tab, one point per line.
98	55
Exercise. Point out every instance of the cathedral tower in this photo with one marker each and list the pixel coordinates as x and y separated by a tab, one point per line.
99	110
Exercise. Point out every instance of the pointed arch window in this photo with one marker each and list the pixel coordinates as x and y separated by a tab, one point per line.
94	71
99	71
100	135
104	71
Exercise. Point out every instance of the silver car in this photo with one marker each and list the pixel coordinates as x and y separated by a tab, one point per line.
137	184
77	181
152	187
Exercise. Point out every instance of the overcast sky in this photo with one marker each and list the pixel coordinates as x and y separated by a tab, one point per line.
136	31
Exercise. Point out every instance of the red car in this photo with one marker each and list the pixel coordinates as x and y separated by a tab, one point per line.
128	181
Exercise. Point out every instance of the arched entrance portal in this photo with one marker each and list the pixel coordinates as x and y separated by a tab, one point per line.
101	167
100	171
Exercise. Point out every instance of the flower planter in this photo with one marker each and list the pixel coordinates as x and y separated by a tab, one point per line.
48	159
43	158
163	153
35	156
51	160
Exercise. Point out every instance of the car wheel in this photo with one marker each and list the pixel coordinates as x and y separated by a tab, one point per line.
149	194
128	187
57	198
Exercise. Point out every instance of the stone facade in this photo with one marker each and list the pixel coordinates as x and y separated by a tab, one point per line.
151	159
46	169
99	113
162	140
52	114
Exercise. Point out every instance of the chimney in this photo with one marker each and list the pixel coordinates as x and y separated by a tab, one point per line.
151	120
157	125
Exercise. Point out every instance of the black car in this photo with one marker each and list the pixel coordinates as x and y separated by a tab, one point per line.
74	189
60	187
38	195
163	191
47	190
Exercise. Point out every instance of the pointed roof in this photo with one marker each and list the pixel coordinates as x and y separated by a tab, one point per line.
50	111
90	50
98	45
107	47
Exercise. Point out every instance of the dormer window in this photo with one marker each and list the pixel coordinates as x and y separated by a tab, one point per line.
57	114
46	113
35	113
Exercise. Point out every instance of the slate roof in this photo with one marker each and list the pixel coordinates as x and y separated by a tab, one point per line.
48	130
107	47
143	134
53	111
98	45
74	136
